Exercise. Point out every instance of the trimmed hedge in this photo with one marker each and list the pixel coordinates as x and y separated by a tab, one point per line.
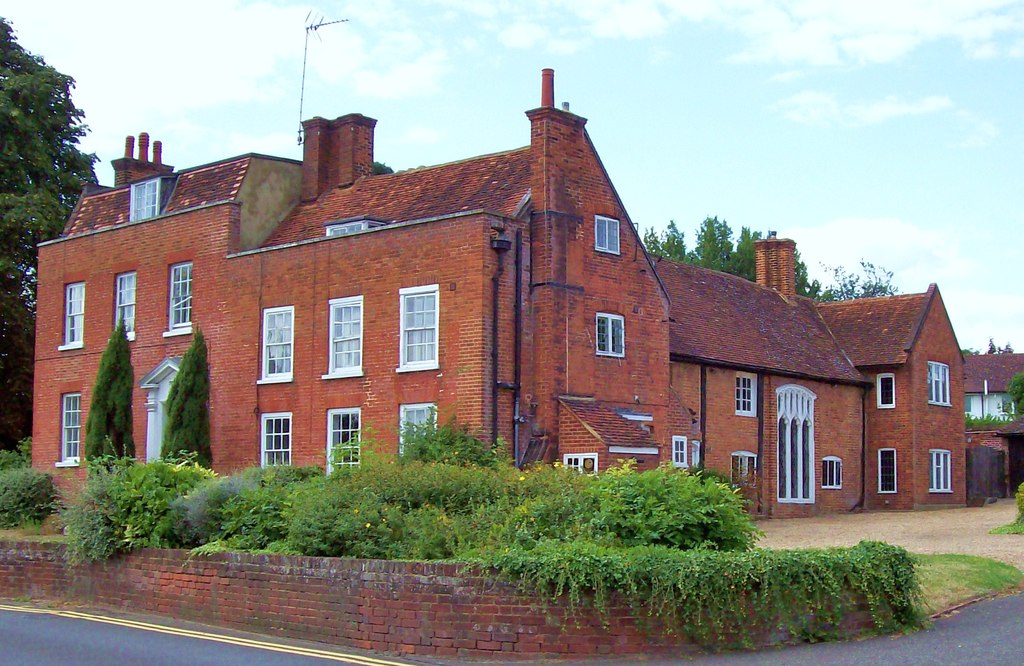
723	598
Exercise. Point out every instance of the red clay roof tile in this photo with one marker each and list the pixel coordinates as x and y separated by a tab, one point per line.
725	319
877	331
605	424
998	369
496	182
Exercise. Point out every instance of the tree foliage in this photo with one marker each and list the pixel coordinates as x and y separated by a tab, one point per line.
1016	390
994	349
716	249
188	406
871	281
108	431
41	174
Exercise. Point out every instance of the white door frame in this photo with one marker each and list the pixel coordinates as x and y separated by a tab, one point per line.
158	384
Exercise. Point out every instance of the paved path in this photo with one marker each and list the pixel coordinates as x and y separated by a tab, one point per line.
963	530
43	637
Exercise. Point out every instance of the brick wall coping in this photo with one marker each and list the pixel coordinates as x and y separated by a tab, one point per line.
424	608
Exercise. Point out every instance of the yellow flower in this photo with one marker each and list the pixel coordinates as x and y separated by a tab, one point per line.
355	510
367	525
522	478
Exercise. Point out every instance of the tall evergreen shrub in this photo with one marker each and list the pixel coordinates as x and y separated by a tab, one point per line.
108	431
188	406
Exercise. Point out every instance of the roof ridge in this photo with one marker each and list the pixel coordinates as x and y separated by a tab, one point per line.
427	167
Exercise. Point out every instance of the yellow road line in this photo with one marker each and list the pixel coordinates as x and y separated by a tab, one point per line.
206	636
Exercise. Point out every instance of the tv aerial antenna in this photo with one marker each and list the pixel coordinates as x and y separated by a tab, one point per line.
311	28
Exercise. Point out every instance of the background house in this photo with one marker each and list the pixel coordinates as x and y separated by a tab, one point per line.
986	377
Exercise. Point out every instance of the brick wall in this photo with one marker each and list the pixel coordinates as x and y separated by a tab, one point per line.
418	608
837	432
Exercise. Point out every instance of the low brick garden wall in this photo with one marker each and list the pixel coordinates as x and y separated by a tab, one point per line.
404	607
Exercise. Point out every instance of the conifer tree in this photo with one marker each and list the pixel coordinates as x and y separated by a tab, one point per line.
108	431
188	406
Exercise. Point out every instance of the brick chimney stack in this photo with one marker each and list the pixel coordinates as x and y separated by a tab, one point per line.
775	261
335	153
129	169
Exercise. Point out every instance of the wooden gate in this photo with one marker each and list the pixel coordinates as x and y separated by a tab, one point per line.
986	472
1016	446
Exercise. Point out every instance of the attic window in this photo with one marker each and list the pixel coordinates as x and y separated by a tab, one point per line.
351	227
145	200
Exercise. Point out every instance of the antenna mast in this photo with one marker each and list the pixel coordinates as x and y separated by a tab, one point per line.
310	28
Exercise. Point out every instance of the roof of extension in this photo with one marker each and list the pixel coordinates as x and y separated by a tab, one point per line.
878	331
497	182
998	369
1015	429
725	319
198	186
605	424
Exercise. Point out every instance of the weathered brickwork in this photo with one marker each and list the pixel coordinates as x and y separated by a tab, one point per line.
442	610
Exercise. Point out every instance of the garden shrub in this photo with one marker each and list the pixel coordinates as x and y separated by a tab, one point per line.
669	507
90	519
1020	503
26	496
723	597
142	496
199	515
19	457
451	444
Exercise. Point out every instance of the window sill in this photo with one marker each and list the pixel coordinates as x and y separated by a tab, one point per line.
611	252
940	492
274	380
71	345
343	374
67	463
178	331
940	404
886	406
887	492
130	335
610	355
795	501
417	368
747	414
831	487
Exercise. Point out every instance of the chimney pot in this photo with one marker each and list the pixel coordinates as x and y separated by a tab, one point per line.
143	146
565	106
547	88
158	152
129	146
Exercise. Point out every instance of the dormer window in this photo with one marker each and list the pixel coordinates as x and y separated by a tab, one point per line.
351	226
145	200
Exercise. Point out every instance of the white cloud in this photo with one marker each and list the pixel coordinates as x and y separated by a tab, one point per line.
786	76
420	135
978	132
522	34
823	109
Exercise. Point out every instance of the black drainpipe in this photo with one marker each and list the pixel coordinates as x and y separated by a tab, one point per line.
863	451
501	245
759	472
518	345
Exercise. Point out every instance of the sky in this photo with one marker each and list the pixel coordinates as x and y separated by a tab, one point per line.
886	131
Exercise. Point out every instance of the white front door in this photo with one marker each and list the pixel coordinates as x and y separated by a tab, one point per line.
156	411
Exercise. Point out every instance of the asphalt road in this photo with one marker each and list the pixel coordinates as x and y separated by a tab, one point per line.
990	633
39	637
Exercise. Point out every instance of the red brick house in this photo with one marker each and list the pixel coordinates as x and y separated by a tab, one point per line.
508	291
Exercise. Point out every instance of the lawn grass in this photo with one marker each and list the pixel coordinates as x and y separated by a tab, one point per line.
1012	528
48	530
947	580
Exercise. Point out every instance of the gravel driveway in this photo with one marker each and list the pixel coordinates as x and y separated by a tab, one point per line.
937	531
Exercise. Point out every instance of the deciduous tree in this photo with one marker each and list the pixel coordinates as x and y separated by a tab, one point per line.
41	175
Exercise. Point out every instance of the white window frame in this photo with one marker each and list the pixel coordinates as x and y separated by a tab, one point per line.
264	451
405	365
607	223
878	390
749	465
124	309
696	453
837	462
576	461
403	418
796	403
352	447
70	430
938	384
680	451
610	320
335	307
895	472
145	200
180	302
346	228
266	376
940	471
746	394
74	316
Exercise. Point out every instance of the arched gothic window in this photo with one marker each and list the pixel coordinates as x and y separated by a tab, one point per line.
796	444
